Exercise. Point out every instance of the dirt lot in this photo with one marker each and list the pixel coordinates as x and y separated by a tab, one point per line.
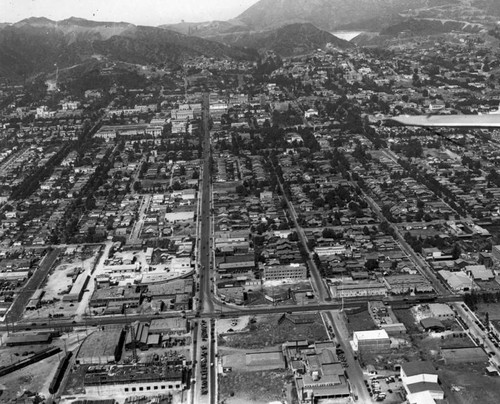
266	331
58	282
254	387
467	383
35	378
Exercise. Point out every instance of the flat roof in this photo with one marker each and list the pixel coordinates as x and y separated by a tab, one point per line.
452	121
371	334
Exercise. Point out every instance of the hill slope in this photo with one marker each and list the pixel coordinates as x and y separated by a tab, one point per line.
35	45
326	14
292	39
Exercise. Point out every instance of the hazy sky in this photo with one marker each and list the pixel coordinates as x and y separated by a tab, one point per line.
144	12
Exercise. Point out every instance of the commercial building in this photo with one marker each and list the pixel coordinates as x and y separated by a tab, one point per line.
279	272
408	283
441	311
359	289
127	296
374	341
169	326
317	371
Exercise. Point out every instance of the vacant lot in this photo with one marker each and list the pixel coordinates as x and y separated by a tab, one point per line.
254	387
430	345
467	383
265	331
34	378
360	322
406	317
493	310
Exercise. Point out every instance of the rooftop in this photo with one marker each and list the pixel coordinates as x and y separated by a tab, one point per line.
371	334
418	368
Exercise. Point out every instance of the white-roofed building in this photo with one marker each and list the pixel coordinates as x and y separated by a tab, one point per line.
371	341
479	273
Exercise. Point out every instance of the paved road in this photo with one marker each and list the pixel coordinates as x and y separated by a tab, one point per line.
138	225
205	294
206	302
420	264
17	309
229	312
354	371
319	285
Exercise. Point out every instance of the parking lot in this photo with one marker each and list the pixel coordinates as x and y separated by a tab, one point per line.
385	388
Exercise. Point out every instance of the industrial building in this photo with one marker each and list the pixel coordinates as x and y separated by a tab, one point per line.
137	336
36	299
77	289
135	380
374	341
19	339
102	347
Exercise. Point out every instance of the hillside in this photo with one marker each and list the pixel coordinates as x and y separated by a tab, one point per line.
327	14
35	45
292	39
429	27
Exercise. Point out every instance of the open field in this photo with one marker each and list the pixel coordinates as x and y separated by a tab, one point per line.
265	331
254	387
468	383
